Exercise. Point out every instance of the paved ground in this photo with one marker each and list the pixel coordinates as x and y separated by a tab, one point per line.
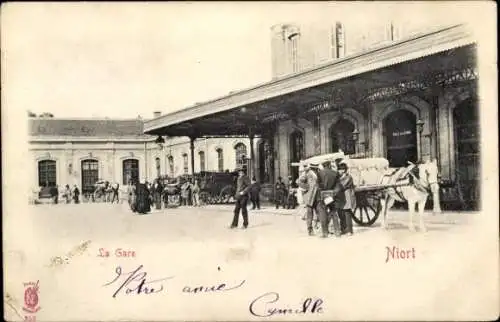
274	254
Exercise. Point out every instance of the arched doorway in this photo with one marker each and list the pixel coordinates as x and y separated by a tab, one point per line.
296	151
341	137
401	138
467	151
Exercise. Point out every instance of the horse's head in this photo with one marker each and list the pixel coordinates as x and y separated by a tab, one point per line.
428	173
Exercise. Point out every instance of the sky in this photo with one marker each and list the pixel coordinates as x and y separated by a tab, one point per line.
123	60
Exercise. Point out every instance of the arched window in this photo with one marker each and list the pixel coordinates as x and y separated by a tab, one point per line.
171	165
185	163
130	170
241	155
90	174
158	167
46	173
202	160
220	160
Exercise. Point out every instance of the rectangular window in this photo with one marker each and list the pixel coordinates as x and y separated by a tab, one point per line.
220	160
185	160
47	173
202	161
130	171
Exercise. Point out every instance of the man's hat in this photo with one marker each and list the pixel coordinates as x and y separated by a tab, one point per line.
313	165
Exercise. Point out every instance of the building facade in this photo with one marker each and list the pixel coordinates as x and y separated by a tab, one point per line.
412	99
81	152
297	47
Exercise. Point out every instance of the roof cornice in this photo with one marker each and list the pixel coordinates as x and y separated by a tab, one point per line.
405	50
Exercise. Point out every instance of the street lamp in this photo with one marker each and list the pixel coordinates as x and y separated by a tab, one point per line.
420	129
355	137
420	126
160	141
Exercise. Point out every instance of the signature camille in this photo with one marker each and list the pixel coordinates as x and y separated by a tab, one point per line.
267	305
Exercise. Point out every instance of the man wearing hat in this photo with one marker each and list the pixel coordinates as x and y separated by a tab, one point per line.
312	198
330	181
243	186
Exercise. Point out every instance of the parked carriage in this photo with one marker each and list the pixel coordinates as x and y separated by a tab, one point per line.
216	187
376	185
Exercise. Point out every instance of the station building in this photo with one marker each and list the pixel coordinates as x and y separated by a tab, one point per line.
412	98
83	151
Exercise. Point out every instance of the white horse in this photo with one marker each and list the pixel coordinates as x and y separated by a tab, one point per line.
413	188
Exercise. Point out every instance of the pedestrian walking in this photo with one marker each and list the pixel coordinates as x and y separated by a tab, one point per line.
115	188
185	193
195	193
255	194
346	199
291	201
242	190
142	204
280	193
157	190
67	194
76	194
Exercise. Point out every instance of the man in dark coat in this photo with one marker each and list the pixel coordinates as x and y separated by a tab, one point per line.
255	194
280	196
291	202
329	179
157	193
242	190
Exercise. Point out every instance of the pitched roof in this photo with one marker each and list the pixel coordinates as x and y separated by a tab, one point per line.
86	127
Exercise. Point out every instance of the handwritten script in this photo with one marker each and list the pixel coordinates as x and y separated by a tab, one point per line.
138	282
267	305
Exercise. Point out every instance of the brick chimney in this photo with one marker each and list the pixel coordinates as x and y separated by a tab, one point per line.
156	114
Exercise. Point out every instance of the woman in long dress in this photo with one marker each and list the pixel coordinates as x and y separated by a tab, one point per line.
143	199
132	196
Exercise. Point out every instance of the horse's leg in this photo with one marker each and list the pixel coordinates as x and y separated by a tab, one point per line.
388	203
383	211
435	199
411	208
421	206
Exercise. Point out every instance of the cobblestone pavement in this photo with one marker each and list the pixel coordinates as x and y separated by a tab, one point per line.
353	275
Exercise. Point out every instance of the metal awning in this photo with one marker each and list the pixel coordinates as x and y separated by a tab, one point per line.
387	71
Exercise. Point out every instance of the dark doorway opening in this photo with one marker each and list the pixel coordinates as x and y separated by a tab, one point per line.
401	138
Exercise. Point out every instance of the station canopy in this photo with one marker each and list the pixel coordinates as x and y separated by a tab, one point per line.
417	65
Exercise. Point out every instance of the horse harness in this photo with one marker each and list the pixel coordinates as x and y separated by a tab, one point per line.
410	173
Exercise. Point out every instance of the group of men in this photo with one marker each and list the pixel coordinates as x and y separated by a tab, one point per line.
328	192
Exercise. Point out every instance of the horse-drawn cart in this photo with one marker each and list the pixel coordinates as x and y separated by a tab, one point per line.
375	182
216	187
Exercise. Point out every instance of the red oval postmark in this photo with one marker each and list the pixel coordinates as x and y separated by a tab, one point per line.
31	297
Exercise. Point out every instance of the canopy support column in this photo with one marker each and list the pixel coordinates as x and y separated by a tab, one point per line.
191	147
252	171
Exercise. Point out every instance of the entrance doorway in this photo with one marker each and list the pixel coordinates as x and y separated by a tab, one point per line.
467	151
90	175
296	151
401	138
341	137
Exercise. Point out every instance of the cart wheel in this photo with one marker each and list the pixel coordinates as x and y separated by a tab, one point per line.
226	194
204	198
367	211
